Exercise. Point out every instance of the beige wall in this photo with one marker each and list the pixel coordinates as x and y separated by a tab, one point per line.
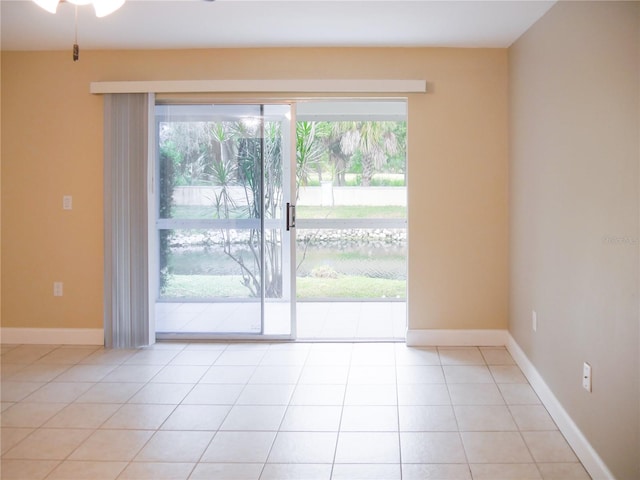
0	190
574	140
52	132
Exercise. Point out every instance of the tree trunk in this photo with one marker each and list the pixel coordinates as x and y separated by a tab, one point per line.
367	171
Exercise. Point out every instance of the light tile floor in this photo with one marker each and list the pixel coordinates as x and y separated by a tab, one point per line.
274	411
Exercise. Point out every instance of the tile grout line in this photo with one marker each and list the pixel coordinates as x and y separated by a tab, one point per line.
344	397
266	460
455	416
395	370
39	427
159	427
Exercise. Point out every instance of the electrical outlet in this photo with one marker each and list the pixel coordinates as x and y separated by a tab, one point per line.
67	202
534	320
586	377
57	289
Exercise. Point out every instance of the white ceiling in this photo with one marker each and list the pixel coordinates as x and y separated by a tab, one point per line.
151	24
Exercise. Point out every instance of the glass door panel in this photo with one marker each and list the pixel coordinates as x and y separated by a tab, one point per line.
223	258
278	244
351	219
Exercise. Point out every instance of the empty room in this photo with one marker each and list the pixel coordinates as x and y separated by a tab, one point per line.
280	239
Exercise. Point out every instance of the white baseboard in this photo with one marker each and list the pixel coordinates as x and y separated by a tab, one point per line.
457	338
52	336
581	446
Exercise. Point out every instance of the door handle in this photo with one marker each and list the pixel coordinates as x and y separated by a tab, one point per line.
291	216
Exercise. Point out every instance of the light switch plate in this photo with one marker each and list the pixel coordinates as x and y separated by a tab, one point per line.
67	202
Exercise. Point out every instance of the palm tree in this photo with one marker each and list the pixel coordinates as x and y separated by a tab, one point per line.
374	140
309	148
338	158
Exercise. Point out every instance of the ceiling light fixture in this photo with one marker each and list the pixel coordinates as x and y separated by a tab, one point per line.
102	8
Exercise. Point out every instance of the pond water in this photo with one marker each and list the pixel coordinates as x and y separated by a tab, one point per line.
369	260
354	263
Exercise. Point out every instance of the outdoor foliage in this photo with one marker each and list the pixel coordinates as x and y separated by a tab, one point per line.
204	152
226	155
335	149
246	156
168	159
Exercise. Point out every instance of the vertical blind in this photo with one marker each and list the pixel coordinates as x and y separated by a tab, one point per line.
126	291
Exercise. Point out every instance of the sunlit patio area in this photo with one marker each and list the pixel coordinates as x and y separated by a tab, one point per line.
348	321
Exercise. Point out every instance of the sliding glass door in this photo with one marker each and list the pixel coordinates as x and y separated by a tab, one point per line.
224	246
351	262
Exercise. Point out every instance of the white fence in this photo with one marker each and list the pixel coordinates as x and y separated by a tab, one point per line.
324	195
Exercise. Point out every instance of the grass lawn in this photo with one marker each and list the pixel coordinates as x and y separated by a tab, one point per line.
204	286
352	287
351	211
355	179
